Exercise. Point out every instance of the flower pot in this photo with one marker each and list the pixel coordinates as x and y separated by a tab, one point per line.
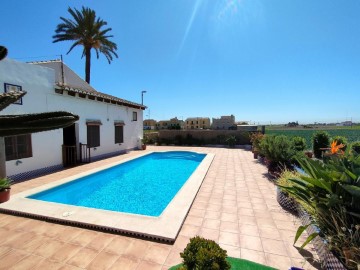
256	155
143	147
286	202
4	195
309	154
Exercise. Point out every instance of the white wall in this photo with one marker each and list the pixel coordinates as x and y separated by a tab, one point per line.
39	81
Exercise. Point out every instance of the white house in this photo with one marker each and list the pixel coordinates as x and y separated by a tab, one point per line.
107	126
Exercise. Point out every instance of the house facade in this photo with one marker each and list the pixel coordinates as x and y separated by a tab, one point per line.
149	124
224	122
107	126
197	123
173	123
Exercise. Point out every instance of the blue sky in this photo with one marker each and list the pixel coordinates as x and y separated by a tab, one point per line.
261	60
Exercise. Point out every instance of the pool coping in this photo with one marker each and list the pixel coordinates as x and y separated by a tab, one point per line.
163	228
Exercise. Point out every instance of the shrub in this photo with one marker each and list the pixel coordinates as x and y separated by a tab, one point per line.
355	146
321	139
279	150
341	140
204	254
231	140
330	192
299	143
255	139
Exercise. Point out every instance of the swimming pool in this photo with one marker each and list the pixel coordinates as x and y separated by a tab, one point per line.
142	186
164	227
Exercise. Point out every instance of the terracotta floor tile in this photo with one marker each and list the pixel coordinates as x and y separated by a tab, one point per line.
211	224
68	234
253	255
48	265
268	222
213	207
196	221
231	239
65	252
125	263
137	248
232	251
173	258
197	212
35	243
246	212
100	241
212	214
12	258
250	242
181	242
247	229
277	261
189	230
4	250
229	217
48	248
28	262
269	232
102	261
209	234
119	245
82	257
69	267
229	209
84	238
232	227
274	246
157	253
149	266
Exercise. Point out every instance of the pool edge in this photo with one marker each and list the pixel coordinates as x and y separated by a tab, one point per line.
164	228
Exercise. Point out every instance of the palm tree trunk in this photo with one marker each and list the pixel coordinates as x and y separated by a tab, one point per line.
87	64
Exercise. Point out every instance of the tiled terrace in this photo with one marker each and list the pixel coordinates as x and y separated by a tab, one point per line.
236	206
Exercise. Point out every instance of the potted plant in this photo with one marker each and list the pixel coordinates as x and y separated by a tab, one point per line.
285	199
5	184
255	139
330	192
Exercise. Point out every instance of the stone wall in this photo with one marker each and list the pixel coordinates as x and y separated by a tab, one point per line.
202	137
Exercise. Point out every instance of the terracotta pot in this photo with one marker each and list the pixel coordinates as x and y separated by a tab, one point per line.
309	154
256	155
4	195
143	147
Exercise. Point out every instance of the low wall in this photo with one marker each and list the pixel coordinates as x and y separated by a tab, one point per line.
201	137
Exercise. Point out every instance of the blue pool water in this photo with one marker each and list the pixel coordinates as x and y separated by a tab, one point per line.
144	186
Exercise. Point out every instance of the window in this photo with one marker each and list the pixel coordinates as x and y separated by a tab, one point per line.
134	116
119	134
18	147
93	135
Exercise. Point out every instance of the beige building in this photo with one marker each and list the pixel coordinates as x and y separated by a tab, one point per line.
173	123
224	122
197	123
149	124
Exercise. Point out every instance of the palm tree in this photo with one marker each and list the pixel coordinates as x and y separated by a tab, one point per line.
86	30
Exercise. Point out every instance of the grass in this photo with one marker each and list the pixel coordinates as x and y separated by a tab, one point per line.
239	264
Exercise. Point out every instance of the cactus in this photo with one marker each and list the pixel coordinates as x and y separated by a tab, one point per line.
3	52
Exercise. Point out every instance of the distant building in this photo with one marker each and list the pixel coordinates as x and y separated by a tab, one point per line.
173	123
346	123
224	122
197	123
149	124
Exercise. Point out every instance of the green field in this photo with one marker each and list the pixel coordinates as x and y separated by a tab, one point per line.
352	134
